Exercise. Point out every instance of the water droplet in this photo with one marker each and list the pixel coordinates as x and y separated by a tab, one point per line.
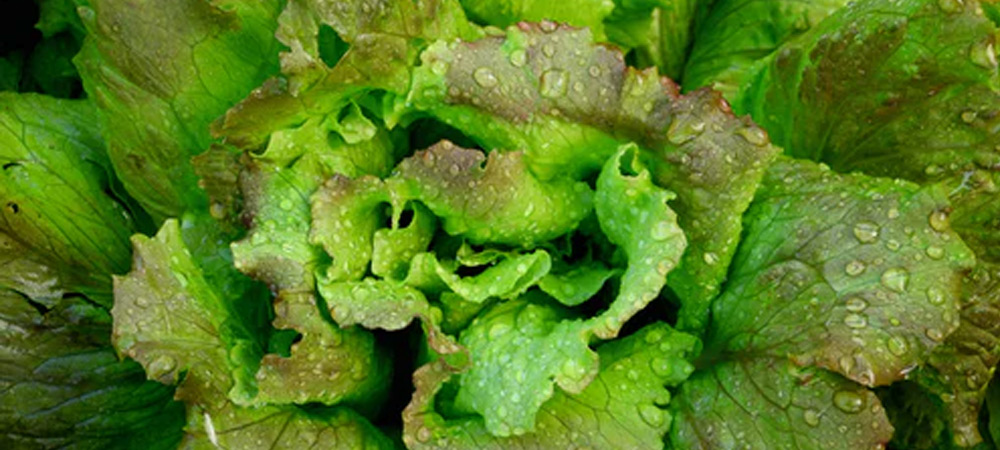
935	295
498	329
578	87
854	268
162	365
651	415
896	279
548	50
662	367
969	116
892	244
681	130
439	68
594	71
856	304
866	232
573	370
662	230
811	416
934	334
752	135
423	434
938	220
897	346
485	77
983	54
518	58
553	83
893	213
935	252
285	204
710	258
932	169
848	401
855	321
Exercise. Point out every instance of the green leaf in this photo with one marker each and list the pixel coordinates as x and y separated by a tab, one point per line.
586	13
766	403
578	284
508	278
345	215
159	74
852	274
845	272
170	319
57	192
384	39
634	215
277	186
624	407
519	350
907	89
357	370
570	110
65	387
492	198
734	35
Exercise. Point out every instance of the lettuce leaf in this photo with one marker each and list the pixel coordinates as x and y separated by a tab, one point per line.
207	56
839	284
624	406
58	192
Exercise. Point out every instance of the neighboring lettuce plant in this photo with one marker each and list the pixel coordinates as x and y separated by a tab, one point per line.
517	224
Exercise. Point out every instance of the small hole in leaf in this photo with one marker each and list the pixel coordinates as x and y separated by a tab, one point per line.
13	208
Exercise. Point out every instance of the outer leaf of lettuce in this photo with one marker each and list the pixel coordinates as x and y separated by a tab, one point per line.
622	408
57	193
843	272
847	273
734	35
569	110
765	403
63	385
159	73
906	89
172	321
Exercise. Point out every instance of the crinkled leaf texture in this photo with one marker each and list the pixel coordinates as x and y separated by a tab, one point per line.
569	110
623	407
906	89
171	320
837	273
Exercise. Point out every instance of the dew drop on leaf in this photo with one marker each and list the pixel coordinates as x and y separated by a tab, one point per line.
897	346
811	417
866	232
854	268
553	83
484	77
848	401
896	279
